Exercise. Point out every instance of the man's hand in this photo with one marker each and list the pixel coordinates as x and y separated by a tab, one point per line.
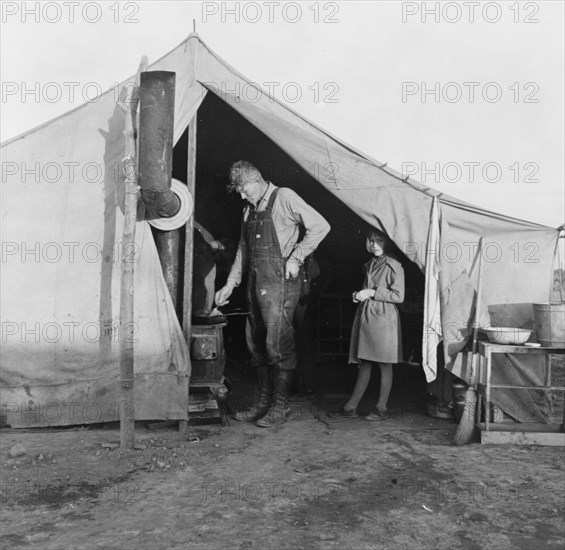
222	296
216	245
363	295
291	269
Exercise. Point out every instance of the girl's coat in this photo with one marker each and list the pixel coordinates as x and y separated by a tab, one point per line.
376	335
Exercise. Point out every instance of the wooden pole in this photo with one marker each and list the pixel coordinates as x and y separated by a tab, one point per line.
189	244
127	324
189	247
189	228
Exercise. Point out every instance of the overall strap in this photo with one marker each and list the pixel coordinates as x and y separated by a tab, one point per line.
269	207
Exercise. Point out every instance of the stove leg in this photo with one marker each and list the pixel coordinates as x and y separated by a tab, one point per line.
220	393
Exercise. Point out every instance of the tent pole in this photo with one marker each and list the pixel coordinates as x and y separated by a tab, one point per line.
189	245
188	251
127	324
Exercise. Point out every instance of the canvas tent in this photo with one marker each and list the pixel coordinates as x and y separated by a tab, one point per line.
62	221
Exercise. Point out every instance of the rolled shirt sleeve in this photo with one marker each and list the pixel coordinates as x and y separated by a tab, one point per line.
289	213
236	271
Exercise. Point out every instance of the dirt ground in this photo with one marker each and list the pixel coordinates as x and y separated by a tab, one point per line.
311	483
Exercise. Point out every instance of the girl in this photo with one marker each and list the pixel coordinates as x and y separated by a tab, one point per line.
375	335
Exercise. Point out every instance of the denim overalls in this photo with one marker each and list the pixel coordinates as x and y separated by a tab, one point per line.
270	297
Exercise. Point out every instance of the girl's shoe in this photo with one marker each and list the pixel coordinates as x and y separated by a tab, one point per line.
344	413
378	415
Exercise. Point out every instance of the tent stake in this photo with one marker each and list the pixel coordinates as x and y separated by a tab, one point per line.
127	324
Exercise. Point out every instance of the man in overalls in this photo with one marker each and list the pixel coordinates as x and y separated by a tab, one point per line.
271	255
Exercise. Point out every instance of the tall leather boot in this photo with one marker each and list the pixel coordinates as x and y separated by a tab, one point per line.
280	409
265	401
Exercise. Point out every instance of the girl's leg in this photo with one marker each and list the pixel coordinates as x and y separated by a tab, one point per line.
386	385
363	377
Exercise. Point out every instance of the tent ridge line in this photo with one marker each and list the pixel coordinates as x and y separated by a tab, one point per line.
372	162
497	215
463	205
400	177
426	190
351	149
86	103
234	71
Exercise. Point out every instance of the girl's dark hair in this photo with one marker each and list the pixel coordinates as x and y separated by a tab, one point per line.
372	232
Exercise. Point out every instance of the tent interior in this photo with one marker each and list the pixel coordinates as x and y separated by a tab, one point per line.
223	137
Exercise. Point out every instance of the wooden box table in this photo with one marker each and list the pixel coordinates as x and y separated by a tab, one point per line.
531	433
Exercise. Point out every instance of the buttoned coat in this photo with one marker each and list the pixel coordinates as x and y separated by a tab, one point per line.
376	334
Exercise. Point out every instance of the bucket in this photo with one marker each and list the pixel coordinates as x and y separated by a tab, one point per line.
459	409
458	390
550	323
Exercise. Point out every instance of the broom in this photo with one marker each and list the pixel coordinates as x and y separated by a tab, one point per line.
466	425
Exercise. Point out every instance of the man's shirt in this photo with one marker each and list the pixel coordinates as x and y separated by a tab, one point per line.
289	213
